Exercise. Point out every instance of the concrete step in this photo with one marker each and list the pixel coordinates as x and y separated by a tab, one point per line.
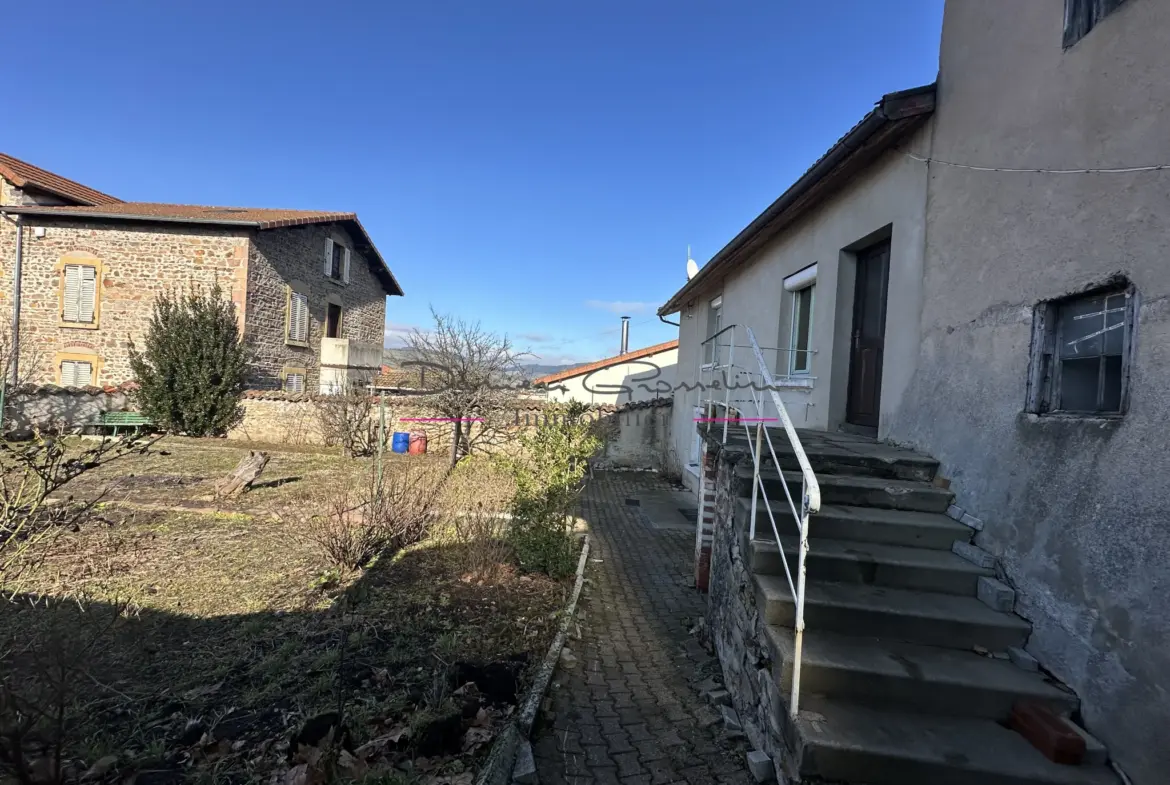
828	454
861	562
853	490
846	742
862	524
895	674
874	611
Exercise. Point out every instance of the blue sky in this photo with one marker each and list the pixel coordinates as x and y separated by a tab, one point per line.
539	165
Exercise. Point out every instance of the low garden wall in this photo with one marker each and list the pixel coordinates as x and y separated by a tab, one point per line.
637	437
49	407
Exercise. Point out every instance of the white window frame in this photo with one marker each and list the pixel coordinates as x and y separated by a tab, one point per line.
710	355
796	283
794	354
342	273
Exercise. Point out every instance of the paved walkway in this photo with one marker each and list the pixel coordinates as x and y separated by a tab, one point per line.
629	711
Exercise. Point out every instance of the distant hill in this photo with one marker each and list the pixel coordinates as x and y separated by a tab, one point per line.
395	357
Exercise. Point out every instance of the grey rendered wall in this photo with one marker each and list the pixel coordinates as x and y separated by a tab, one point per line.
888	200
1076	510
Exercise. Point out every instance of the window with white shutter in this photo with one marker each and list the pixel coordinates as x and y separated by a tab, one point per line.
294	381
79	294
328	257
76	373
298	317
345	266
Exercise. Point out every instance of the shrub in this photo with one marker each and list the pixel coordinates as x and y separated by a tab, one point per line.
192	368
347	421
385	515
548	474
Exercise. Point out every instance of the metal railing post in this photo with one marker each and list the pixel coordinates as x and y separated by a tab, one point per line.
727	386
798	643
756	478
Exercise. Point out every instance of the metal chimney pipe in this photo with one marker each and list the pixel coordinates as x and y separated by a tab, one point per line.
625	335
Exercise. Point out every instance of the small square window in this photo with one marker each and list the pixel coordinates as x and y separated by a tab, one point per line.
1081	350
294	381
76	373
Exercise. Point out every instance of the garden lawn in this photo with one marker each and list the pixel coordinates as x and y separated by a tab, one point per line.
202	636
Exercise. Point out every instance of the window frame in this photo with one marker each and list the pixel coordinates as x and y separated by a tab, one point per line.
94	361
297	289
78	259
338	257
1045	366
294	370
793	352
1082	16
710	355
329	303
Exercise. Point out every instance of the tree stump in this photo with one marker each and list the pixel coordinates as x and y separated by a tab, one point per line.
242	476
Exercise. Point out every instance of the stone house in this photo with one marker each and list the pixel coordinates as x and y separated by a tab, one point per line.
309	287
974	276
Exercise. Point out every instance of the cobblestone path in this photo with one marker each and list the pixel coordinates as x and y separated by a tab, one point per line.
629	711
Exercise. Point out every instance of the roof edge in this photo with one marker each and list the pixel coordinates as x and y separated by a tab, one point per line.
394	289
915	102
597	365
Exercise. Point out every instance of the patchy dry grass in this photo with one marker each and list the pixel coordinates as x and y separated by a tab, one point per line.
232	629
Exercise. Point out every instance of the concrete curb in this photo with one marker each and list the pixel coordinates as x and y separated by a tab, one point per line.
497	770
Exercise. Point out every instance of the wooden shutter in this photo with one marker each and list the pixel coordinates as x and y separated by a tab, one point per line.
87	295
345	265
71	297
328	257
75	373
298	317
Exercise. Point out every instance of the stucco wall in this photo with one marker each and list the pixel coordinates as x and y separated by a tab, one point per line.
280	257
605	386
136	263
1075	509
888	200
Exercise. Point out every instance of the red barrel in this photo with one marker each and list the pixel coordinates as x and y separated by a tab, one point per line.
418	443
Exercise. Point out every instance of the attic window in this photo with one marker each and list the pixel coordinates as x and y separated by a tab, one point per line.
1081	353
1081	16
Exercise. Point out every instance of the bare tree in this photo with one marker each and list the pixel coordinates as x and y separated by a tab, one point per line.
471	374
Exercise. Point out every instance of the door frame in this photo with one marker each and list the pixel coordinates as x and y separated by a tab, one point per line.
852	421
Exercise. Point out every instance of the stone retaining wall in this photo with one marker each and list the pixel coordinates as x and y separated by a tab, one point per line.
58	408
736	624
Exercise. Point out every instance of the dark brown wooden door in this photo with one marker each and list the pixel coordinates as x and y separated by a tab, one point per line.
869	335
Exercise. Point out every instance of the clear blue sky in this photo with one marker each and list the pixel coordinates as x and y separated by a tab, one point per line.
539	165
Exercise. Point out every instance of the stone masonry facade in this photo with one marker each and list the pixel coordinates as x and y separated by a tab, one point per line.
137	261
280	258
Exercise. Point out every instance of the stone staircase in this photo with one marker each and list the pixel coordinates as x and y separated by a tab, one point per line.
905	680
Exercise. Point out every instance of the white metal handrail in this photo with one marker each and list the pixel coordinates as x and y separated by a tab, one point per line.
810	497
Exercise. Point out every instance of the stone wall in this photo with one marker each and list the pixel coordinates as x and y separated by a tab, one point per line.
637	434
735	623
135	263
58	408
295	256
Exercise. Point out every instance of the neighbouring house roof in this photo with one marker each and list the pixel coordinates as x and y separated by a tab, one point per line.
580	370
261	218
892	120
23	175
401	379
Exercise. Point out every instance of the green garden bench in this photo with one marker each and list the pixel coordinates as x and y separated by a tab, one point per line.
116	420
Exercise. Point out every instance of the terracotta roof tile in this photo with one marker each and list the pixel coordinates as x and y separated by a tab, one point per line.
637	354
22	174
267	218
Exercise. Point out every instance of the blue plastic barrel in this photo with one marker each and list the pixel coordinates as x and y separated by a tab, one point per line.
401	442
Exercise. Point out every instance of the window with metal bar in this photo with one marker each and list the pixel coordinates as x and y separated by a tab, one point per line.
1081	353
714	325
